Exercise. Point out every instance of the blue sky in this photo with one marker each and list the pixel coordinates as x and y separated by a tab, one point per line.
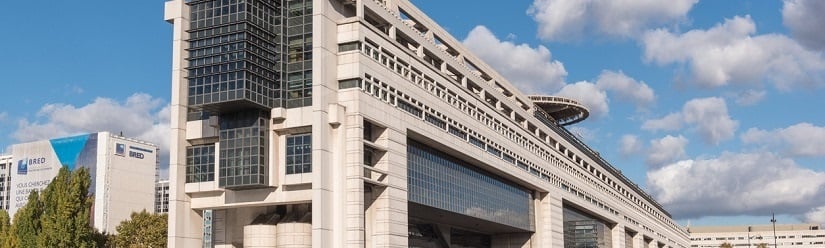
714	107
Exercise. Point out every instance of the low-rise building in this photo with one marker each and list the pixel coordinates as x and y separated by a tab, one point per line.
787	235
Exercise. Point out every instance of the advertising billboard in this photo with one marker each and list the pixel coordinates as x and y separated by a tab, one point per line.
38	163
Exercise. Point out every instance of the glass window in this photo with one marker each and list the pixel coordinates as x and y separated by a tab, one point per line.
200	163
299	153
441	181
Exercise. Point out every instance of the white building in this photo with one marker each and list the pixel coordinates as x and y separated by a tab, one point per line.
787	236
162	196
362	123
122	169
5	181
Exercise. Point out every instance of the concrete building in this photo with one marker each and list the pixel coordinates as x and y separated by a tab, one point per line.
5	181
362	123
122	170
787	236
162	196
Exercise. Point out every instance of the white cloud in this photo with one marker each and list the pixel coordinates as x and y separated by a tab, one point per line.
803	139
805	20
589	95
709	116
627	88
140	116
594	96
730	53
630	144
737	184
750	97
816	215
532	70
666	150
670	122
564	20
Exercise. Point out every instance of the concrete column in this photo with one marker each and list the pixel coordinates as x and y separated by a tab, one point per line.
618	236
259	236
549	222
354	198
293	235
638	241
185	227
392	32
390	208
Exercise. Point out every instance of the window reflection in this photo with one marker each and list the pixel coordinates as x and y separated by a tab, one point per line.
441	181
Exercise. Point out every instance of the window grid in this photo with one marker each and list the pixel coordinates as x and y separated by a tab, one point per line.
200	163
299	153
441	181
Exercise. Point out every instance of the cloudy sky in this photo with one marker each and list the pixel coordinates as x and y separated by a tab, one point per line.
714	107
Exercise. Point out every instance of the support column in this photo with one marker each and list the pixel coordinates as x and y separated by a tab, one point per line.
549	221
638	241
618	236
391	214
354	198
185	228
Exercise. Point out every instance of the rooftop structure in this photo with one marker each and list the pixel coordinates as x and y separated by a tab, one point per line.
563	110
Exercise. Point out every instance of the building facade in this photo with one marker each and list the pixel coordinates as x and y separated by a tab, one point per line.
362	123
787	236
122	170
5	181
162	196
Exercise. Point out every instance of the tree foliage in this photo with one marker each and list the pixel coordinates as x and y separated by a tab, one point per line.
65	219
57	217
26	225
762	245
5	226
143	229
726	245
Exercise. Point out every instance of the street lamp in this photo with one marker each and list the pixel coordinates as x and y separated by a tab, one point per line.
773	220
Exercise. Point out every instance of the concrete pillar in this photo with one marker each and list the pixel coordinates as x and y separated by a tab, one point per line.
293	235
638	241
259	236
618	236
390	208
354	195
185	228
549	221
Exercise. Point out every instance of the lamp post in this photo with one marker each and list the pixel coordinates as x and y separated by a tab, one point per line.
749	236
773	220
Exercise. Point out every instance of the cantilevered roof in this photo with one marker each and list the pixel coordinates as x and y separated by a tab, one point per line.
563	110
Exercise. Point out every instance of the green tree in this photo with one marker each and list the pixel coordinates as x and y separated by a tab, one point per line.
762	245
143	229
66	207
26	225
5	226
726	245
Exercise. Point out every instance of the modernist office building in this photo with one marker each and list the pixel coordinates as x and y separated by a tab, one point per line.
787	236
362	123
122	171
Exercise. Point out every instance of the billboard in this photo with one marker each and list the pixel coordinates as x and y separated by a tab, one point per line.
38	163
